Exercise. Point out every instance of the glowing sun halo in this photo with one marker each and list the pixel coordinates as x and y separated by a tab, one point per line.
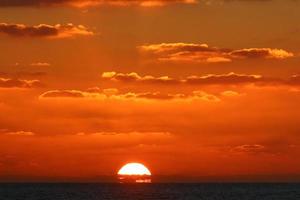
134	169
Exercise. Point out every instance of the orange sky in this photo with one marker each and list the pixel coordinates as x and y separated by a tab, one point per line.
195	90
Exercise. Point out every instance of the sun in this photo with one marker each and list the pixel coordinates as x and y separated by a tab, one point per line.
134	169
134	173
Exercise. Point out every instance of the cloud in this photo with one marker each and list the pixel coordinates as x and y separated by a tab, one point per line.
44	30
90	3
107	91
126	139
20	74
205	96
19	83
63	94
230	93
93	3
231	79
261	53
196	95
113	94
134	77
223	79
189	52
252	148
210	79
40	64
295	80
152	96
21	133
108	134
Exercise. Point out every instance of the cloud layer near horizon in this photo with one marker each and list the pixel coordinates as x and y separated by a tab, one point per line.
89	3
160	131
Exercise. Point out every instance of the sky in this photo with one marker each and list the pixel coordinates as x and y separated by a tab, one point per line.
194	89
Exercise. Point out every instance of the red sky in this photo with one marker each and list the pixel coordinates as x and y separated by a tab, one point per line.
190	88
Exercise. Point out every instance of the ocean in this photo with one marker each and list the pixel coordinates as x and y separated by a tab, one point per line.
172	191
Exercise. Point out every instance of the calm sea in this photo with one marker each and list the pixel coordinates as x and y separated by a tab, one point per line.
150	191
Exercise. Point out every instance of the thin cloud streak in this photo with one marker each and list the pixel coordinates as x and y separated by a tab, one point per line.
19	83
113	94
209	79
44	31
188	52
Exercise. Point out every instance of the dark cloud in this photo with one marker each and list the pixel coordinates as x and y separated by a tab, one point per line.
20	133
40	64
114	94
19	83
230	78
294	80
261	53
44	30
252	148
210	79
204	53
30	74
134	77
87	3
63	94
30	2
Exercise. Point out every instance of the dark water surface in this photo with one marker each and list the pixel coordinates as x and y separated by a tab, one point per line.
100	191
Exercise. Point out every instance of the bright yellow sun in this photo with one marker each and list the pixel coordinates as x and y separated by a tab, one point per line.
134	169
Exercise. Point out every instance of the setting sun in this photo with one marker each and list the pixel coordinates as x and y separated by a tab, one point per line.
134	169
134	173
